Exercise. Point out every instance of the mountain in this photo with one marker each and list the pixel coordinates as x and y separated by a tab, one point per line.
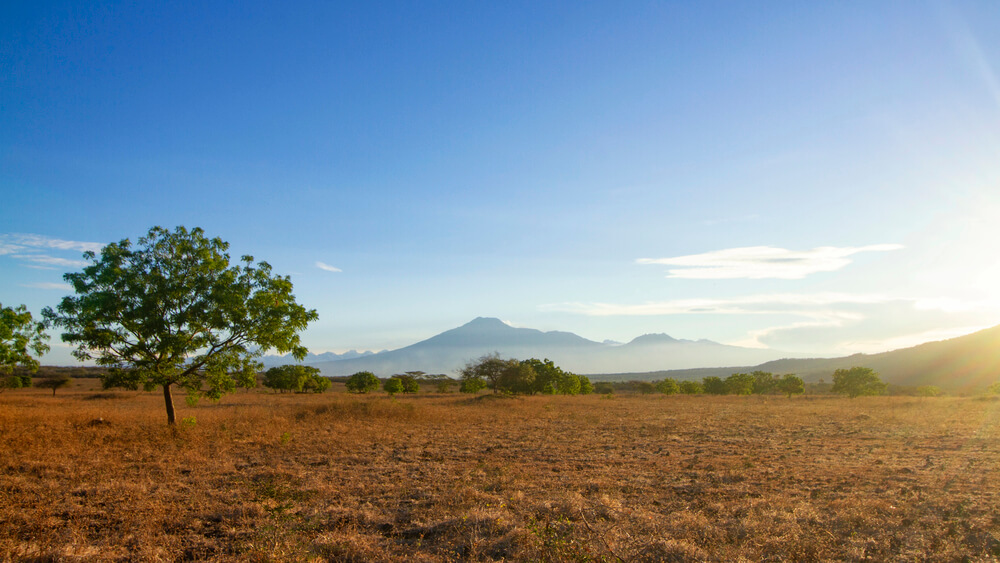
964	364
451	350
271	361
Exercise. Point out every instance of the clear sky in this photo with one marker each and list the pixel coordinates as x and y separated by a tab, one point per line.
815	177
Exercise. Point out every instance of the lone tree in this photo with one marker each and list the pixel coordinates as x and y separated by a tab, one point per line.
857	381
21	338
54	382
172	311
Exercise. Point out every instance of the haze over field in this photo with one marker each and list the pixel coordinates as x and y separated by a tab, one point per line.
800	179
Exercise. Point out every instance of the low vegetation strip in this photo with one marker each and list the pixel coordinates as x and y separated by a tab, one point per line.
437	477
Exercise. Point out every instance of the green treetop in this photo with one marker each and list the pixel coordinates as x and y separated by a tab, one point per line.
171	310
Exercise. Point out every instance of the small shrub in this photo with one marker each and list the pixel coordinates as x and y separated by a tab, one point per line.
393	385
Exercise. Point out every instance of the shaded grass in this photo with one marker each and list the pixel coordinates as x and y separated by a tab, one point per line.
445	477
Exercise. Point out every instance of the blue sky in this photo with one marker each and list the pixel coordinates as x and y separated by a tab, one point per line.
812	177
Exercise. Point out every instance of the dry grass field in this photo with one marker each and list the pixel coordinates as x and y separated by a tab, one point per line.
97	476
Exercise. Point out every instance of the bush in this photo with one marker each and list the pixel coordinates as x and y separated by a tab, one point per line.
362	382
409	382
645	387
668	387
393	385
569	384
763	382
929	391
714	385
472	385
691	387
15	381
604	388
295	378
740	384
551	379
586	387
790	384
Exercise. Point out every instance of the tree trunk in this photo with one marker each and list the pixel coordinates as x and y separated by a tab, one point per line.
53	391
170	404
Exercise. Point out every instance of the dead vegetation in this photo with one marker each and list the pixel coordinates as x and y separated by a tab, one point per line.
98	476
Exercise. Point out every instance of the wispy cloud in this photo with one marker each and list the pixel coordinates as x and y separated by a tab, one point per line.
759	262
30	250
765	304
49	285
15	242
327	267
824	323
8	248
46	260
41	241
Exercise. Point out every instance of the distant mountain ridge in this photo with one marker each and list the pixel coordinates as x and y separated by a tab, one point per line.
963	364
271	361
450	350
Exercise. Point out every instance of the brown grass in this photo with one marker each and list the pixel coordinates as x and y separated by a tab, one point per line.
97	476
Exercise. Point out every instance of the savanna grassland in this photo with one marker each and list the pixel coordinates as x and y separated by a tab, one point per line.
98	476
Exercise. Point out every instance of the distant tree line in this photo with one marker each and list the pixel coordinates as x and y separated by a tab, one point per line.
853	382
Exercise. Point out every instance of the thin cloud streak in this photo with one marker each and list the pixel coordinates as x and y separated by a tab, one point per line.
49	285
760	262
19	241
748	305
46	260
327	267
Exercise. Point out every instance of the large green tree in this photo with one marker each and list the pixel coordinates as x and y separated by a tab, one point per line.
21	339
857	381
172	311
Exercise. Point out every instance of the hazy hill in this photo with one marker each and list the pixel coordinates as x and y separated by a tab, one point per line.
449	351
964	364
